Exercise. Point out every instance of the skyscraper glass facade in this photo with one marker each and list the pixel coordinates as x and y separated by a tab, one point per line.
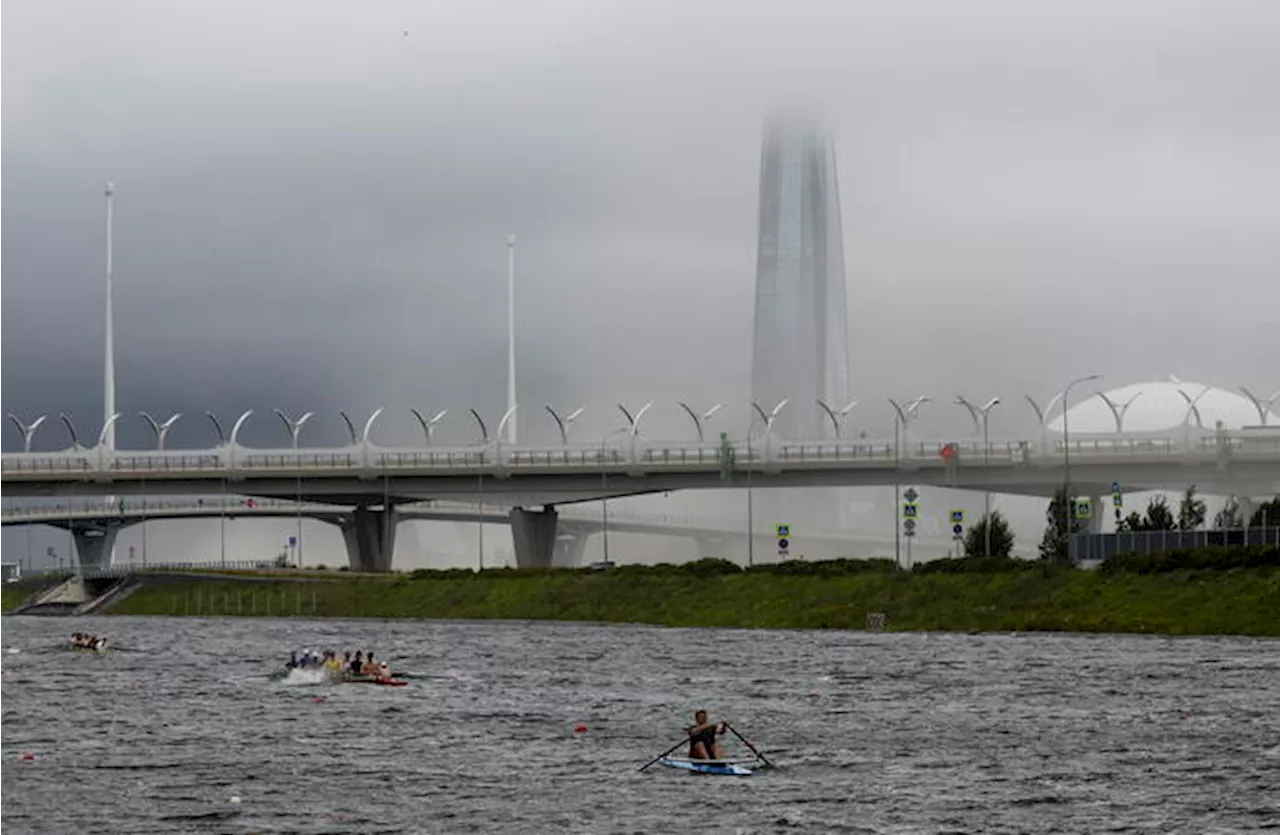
801	350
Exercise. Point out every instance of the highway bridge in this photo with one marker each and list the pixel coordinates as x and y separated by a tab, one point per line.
374	482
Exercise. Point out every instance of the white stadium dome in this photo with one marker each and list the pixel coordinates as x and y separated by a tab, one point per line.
1164	406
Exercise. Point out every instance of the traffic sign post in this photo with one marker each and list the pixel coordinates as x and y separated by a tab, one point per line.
1084	509
784	539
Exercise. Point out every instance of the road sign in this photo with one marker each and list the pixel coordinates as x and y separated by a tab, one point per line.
784	544
909	532
1117	499
908	524
784	531
293	542
957	517
957	531
1115	487
1084	509
911	495
910	511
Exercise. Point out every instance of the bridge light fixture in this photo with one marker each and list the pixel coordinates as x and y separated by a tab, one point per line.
563	423
71	429
428	426
294	427
161	430
837	417
28	430
698	420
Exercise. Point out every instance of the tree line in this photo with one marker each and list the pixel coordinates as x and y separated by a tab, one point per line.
1158	516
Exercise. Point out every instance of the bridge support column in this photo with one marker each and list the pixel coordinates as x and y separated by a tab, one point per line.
534	536
94	545
371	539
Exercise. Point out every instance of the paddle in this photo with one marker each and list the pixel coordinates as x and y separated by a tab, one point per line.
664	753
748	744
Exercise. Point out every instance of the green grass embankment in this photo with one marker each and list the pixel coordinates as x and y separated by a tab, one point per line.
1238	601
13	596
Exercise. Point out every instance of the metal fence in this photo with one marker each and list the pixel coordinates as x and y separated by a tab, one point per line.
1085	547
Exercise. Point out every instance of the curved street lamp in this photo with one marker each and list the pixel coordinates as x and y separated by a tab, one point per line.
28	430
71	429
698	420
634	422
985	412
1068	504
837	417
768	420
428	426
563	423
1263	406
294	427
1118	410
161	430
904	413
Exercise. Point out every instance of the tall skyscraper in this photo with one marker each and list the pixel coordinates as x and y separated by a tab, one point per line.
801	348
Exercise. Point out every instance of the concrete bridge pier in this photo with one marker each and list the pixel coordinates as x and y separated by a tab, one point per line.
371	538
94	544
533	533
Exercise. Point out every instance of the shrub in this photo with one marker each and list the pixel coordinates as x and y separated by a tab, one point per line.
1214	558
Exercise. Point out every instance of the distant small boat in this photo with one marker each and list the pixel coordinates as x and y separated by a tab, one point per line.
730	768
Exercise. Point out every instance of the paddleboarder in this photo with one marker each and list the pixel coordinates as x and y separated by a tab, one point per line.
702	738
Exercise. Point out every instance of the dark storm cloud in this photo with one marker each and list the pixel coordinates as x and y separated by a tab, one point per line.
312	201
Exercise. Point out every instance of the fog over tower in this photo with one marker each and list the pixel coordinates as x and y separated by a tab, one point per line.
801	349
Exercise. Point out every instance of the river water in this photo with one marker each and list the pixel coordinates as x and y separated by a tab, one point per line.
869	733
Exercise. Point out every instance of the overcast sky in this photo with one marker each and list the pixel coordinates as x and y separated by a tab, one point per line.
312	200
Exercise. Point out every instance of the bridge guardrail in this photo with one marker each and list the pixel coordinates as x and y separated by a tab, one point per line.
240	463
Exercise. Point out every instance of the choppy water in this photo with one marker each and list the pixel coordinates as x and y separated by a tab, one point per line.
871	733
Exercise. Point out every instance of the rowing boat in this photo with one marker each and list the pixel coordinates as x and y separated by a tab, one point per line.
319	675
95	649
384	682
731	768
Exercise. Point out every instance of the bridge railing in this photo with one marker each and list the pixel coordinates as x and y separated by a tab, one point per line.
238	462
121	569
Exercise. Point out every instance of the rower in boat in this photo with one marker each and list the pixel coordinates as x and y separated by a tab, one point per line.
702	738
83	640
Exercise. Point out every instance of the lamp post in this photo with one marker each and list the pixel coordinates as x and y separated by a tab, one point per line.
295	427
1068	510
903	413
985	412
564	422
767	421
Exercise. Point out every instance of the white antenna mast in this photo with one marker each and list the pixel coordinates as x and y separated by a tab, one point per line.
511	335
109	377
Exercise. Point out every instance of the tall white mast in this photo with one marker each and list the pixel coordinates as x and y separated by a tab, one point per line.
511	336
109	377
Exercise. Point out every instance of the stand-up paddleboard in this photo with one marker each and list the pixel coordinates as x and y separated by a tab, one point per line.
731	768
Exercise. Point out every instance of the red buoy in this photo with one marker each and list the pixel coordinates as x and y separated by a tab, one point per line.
579	728
27	755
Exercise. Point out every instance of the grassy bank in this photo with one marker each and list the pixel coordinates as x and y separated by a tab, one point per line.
13	597
1239	601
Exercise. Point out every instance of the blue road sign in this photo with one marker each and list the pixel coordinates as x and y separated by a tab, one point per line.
783	544
909	511
957	517
957	529
1115	487
293	542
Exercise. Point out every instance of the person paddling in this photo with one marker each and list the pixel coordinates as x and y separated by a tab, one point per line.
702	738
